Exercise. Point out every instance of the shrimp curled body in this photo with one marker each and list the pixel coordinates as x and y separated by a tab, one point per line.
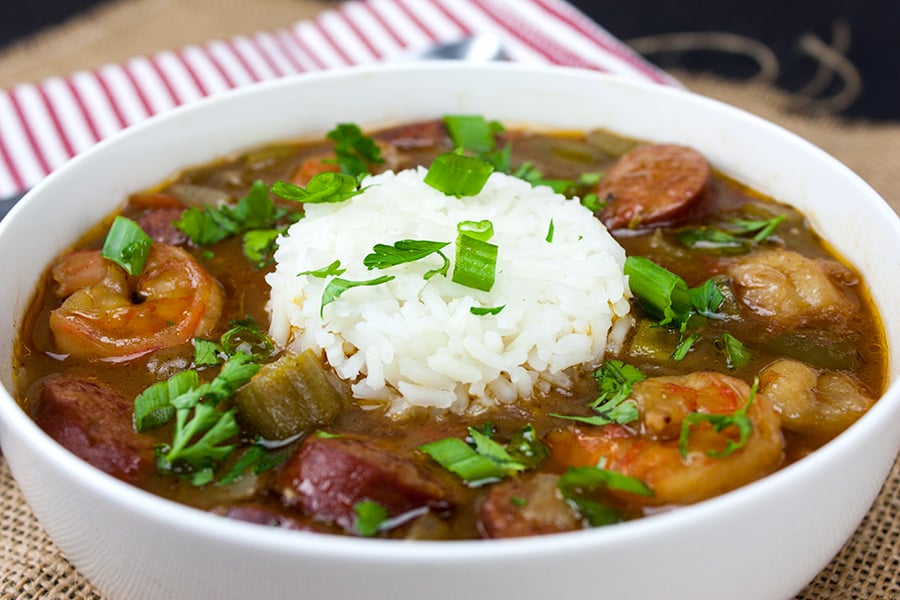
648	449
109	315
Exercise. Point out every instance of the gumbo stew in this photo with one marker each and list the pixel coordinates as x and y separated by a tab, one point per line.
746	344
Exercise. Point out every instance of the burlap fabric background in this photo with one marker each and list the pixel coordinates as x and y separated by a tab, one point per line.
32	567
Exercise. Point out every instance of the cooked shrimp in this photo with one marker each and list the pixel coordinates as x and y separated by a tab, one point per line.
110	316
812	401
649	449
793	290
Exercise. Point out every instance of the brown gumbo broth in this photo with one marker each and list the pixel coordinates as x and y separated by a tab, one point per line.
791	315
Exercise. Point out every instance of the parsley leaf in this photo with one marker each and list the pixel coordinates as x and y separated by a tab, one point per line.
370	517
615	379
580	485
405	251
736	353
480	311
324	188
353	150
332	269
338	286
738	419
257	458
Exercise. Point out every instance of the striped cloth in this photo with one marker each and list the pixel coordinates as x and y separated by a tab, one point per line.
44	124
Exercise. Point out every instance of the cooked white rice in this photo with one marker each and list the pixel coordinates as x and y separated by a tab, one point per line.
412	342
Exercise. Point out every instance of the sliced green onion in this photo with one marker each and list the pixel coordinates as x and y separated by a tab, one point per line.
550	230
476	263
127	245
480	230
458	175
664	294
153	407
461	459
488	461
472	132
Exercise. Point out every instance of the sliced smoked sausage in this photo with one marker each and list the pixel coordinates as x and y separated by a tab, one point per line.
526	506
158	223
652	184
327	477
93	421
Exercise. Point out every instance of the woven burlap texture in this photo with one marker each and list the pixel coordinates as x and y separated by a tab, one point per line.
31	567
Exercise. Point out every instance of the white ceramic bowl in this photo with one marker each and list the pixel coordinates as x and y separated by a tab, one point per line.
764	541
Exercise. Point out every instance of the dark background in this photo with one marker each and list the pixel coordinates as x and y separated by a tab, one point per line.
868	28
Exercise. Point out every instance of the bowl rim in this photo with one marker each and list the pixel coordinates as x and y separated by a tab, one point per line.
167	513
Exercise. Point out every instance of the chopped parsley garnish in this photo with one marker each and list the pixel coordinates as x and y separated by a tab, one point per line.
731	238
615	379
332	269
259	244
211	225
736	353
526	448
127	245
405	251
256	458
255	215
244	336
324	188
353	150
737	419
706	299
338	286
201	427
581	485
480	311
458	175
684	346
370	516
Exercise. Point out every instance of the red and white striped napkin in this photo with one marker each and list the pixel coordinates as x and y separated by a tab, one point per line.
44	124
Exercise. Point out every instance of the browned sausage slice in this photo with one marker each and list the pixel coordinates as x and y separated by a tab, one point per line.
264	515
327	477
526	506
652	184
93	421
423	134
158	224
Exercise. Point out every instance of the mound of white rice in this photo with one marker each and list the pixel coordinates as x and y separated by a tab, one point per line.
412	342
